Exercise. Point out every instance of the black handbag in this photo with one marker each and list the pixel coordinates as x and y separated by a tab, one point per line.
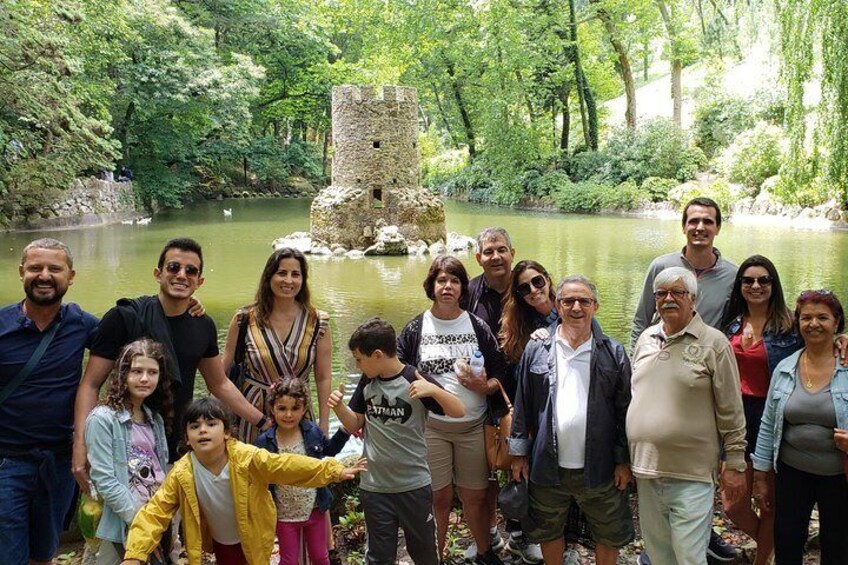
238	369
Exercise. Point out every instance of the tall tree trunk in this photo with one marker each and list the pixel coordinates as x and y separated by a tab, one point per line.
564	93
646	60
588	108
123	128
463	110
444	117
676	63
624	67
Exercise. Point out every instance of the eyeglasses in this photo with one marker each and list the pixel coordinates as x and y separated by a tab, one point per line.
174	268
764	280
675	293
569	302
524	288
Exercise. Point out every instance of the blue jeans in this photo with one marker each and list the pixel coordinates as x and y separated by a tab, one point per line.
675	516
35	496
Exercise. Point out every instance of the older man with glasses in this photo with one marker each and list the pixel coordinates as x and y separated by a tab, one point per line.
686	410
568	433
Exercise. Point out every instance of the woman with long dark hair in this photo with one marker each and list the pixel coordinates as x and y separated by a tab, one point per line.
286	336
762	333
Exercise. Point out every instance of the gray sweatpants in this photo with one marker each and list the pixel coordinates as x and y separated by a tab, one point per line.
411	510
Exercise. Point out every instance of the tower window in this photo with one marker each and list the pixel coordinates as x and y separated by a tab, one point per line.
376	144
376	197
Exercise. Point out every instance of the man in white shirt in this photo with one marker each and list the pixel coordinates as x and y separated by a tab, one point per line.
568	432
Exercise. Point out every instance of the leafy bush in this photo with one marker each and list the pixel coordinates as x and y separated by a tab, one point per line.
439	169
657	188
625	196
720	191
473	179
542	185
719	118
578	198
755	155
590	165
658	148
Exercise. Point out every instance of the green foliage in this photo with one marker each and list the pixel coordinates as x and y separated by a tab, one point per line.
720	191
657	148
719	118
805	26
590	197
755	155
657	188
542	185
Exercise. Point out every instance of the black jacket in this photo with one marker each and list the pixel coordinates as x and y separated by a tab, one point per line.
493	360
534	421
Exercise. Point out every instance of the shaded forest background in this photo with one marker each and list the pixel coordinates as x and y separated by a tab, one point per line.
202	97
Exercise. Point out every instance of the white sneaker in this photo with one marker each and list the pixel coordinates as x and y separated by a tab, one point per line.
496	544
571	557
520	546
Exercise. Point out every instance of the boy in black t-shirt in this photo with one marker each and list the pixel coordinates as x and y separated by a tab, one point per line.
393	399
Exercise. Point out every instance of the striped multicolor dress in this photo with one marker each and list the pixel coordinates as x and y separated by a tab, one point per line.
269	358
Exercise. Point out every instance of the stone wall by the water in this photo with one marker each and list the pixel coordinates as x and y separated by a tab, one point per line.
88	202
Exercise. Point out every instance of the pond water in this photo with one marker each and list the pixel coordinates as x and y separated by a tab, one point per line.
118	260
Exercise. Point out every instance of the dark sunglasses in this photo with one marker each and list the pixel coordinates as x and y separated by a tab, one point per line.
524	288
764	280
174	268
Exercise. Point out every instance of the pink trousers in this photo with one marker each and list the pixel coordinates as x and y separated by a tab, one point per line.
314	532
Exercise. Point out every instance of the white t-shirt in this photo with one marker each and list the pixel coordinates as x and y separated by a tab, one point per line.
215	497
443	342
572	402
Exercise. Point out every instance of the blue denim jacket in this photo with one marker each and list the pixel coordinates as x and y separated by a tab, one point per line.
778	346
107	437
783	383
317	445
534	421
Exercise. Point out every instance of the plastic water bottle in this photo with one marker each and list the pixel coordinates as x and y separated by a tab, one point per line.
476	363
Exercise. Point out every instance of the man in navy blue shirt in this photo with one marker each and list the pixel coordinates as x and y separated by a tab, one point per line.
37	412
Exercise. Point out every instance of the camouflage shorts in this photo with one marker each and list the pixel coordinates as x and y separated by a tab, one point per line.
606	508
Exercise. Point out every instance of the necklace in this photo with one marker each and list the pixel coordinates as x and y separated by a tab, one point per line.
809	381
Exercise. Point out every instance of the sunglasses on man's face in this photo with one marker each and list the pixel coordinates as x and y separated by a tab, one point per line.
764	280
174	268
524	288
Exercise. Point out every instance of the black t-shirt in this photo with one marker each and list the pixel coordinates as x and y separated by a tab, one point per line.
193	339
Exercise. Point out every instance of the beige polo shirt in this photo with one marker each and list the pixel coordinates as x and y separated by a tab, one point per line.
686	404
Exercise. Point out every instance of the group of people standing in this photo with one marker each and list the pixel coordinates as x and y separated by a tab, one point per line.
708	397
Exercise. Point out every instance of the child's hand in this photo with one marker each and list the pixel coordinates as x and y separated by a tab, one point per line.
421	388
336	397
350	472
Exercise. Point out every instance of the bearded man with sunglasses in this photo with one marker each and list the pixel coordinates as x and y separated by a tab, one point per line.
191	344
568	431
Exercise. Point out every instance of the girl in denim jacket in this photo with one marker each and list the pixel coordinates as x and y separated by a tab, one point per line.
125	436
301	512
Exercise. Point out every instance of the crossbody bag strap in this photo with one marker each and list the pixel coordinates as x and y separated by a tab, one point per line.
241	346
30	365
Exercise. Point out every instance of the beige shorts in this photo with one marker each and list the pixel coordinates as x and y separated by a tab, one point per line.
456	453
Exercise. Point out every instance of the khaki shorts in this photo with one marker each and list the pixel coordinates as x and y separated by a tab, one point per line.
607	509
456	454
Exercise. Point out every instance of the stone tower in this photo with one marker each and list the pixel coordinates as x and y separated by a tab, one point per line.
375	171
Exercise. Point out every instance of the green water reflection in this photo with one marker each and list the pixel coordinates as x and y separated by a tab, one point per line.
116	261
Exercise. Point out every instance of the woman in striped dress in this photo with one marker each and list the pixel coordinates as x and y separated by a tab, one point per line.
285	337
